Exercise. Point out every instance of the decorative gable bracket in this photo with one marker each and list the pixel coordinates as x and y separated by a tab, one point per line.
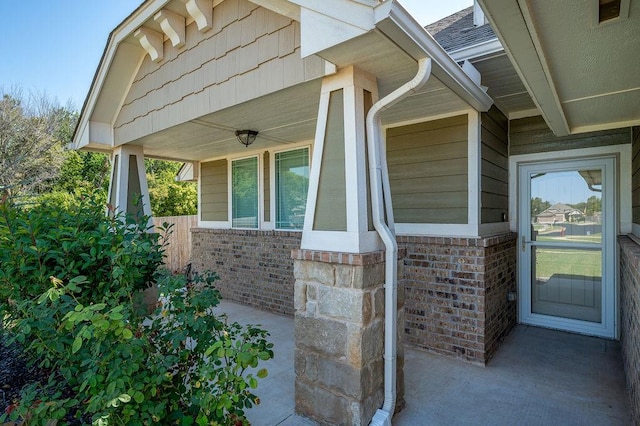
173	25
202	13
151	41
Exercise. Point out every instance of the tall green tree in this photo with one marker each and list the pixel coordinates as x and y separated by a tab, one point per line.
168	197
538	205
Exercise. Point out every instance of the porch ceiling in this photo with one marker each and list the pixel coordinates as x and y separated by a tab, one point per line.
284	117
289	116
376	54
581	73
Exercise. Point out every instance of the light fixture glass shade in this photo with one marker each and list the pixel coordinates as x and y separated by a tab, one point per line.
246	137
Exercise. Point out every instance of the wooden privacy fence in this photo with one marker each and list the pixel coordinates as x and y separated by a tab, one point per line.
178	253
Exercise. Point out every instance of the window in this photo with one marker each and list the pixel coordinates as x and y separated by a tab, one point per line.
244	193
292	182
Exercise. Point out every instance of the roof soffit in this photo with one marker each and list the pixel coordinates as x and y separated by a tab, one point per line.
582	75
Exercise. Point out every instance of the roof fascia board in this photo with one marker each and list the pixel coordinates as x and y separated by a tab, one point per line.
512	24
346	11
337	20
281	7
400	27
356	13
474	51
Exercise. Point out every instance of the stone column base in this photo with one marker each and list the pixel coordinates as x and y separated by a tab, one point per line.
339	336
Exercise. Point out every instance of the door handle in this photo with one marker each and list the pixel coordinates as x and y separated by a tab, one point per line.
524	243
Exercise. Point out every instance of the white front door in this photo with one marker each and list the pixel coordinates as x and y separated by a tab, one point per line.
567	245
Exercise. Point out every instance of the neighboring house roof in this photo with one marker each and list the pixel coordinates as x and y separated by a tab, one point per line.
457	31
560	208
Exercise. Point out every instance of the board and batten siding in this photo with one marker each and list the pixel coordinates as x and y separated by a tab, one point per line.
635	177
495	166
428	169
532	135
250	52
214	188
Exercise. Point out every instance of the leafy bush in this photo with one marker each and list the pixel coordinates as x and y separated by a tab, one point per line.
69	286
117	254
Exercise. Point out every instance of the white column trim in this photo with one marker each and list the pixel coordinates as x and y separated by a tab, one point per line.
316	162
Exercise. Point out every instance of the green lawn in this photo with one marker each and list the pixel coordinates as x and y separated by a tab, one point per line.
550	261
593	238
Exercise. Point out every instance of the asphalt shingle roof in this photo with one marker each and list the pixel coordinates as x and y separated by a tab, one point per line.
457	31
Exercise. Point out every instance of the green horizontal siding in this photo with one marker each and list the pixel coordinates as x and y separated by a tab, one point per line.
214	189
494	184
428	169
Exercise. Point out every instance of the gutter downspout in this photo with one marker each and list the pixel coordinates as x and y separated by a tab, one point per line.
381	207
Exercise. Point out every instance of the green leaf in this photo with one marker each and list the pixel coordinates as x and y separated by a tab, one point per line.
263	373
138	397
125	397
127	334
253	383
97	306
77	344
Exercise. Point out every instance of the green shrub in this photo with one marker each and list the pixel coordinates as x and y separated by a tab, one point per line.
69	289
116	254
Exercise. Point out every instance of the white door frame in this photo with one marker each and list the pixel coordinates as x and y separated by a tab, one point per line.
622	194
606	328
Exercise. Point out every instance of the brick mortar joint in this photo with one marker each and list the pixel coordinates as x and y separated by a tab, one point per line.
481	242
342	258
248	232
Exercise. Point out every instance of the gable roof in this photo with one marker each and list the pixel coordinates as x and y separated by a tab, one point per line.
380	38
457	31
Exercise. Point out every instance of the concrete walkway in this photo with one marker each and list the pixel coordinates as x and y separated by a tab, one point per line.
538	377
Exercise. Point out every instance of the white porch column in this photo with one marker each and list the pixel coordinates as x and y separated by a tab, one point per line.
128	191
339	270
338	206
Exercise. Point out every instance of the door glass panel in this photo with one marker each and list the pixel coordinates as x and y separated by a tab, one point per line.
566	219
567	282
567	206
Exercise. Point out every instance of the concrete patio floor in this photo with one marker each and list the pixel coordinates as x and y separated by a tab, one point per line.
538	377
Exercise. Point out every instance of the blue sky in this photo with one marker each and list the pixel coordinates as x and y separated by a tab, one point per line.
53	47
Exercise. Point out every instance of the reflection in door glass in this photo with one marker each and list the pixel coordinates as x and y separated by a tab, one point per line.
567	206
567	282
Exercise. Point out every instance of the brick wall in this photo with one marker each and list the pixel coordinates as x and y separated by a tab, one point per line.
455	288
255	267
630	318
456	294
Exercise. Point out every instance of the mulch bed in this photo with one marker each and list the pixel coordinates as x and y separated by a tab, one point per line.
16	373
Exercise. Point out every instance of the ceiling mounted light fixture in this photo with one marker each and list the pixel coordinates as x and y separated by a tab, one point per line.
246	137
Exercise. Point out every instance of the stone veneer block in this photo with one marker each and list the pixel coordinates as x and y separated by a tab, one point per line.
339	334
